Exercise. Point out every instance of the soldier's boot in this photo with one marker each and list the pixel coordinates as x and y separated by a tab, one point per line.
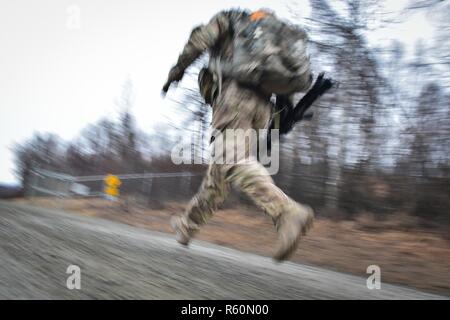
182	233
291	226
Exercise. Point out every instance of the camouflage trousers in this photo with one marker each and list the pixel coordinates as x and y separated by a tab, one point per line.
237	108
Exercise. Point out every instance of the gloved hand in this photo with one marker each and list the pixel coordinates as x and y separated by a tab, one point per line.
175	75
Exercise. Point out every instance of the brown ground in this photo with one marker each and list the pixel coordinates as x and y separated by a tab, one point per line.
406	253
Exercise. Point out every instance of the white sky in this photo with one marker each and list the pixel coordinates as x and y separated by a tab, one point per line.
56	79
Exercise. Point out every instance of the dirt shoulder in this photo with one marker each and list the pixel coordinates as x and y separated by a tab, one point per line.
406	253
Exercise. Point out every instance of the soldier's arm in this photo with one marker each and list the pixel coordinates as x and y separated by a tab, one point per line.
202	38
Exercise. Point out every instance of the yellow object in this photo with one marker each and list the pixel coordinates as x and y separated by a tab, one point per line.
112	184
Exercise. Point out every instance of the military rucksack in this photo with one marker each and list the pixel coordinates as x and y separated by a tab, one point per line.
269	54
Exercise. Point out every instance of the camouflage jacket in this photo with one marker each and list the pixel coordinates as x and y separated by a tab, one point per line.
215	37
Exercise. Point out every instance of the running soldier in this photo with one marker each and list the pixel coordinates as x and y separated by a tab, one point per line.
239	105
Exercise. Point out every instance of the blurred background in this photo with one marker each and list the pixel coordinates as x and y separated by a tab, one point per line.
81	99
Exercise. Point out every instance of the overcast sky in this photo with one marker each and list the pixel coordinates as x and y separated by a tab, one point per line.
57	76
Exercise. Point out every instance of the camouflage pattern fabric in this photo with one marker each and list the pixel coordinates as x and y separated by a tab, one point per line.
215	37
237	108
234	107
271	55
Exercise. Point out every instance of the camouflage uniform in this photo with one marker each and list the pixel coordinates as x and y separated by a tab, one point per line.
235	107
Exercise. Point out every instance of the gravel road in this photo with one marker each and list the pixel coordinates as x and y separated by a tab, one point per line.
123	262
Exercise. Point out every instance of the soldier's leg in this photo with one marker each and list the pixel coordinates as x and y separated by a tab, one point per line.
213	189
211	194
291	219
